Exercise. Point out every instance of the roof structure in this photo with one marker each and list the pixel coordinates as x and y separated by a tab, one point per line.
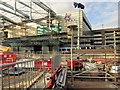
19	11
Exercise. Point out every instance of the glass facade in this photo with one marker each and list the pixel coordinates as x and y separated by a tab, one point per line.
41	30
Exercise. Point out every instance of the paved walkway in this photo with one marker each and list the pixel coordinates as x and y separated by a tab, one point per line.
90	85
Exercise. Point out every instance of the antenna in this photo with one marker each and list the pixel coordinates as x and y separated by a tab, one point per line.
102	26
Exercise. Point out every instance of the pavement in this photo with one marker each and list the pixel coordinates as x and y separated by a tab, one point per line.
90	85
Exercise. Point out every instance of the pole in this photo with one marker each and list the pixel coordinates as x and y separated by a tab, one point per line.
49	20
15	6
105	57
78	42
71	57
105	62
30	9
114	44
44	71
115	56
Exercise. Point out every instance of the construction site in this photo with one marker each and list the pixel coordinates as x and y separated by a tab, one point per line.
40	49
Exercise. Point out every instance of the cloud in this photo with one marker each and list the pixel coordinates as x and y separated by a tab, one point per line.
98	13
119	14
102	13
61	7
6	0
109	23
80	0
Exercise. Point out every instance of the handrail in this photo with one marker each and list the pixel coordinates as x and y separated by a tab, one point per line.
21	74
18	62
61	80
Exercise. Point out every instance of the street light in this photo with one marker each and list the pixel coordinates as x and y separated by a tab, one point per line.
72	27
80	6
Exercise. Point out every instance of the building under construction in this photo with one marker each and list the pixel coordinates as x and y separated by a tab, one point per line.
40	49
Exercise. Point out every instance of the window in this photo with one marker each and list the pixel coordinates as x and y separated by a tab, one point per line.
5	34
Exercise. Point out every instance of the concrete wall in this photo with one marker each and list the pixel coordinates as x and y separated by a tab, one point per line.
56	59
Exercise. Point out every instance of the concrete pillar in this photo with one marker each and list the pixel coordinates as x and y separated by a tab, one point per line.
56	59
103	38
45	49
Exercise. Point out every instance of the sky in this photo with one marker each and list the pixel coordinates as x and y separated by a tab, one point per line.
101	14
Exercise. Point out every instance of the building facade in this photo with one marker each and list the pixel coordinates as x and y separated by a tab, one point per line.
75	18
81	23
108	36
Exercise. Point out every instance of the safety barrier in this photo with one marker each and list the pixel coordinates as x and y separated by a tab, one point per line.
61	80
58	79
7	57
47	64
22	74
53	77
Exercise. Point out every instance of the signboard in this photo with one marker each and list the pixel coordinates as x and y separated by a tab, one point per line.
67	17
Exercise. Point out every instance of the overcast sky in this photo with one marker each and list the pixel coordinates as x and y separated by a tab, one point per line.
98	12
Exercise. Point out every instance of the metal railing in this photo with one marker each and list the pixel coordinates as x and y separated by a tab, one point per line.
58	79
61	80
20	74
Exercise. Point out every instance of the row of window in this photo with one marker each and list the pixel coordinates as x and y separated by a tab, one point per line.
68	49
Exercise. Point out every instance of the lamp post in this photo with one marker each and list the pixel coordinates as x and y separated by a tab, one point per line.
114	43
71	56
79	6
115	55
105	60
72	27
